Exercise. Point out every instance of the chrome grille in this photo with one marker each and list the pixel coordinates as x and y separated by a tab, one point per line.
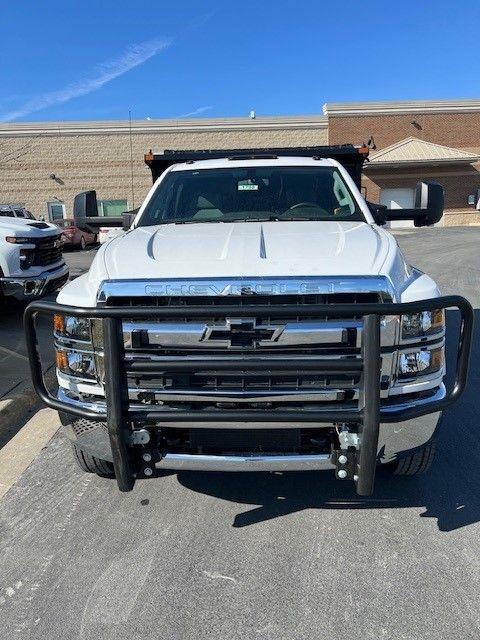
273	338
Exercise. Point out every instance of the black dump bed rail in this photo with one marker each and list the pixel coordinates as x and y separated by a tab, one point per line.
367	413
350	156
85	210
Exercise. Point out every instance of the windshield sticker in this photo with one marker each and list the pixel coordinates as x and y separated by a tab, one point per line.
247	185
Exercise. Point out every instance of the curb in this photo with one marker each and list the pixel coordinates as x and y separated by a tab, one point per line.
22	400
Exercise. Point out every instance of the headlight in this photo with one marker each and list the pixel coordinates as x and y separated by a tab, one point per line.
72	327
414	363
418	325
77	364
19	240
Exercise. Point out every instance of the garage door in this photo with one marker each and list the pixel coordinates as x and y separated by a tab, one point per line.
398	199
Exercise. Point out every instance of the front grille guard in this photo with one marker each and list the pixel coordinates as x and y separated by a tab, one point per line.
368	415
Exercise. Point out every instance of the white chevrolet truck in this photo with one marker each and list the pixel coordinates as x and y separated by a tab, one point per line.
255	316
31	261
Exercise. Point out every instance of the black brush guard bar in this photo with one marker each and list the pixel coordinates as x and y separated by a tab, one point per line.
368	415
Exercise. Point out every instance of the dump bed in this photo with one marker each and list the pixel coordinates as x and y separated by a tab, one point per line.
350	156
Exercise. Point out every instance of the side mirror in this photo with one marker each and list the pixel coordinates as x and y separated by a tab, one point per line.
378	212
429	201
85	213
85	207
128	219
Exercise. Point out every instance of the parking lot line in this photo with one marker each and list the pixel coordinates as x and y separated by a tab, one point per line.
23	448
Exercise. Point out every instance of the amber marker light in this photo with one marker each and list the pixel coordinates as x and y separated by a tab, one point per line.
58	324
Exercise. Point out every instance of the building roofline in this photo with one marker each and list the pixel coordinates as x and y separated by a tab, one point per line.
372	166
440	154
102	127
339	109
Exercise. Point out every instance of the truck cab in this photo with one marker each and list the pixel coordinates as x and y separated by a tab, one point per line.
255	315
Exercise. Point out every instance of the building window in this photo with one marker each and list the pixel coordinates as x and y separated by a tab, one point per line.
56	211
112	208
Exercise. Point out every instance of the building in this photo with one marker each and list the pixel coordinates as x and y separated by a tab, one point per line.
45	164
412	141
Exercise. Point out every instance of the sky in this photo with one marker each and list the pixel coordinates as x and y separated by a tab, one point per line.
85	60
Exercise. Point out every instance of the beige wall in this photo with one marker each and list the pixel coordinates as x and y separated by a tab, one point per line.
101	161
96	155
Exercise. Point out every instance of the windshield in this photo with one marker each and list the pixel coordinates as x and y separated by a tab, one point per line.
250	194
64	223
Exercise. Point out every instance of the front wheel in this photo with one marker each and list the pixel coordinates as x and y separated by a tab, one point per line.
91	464
83	244
417	462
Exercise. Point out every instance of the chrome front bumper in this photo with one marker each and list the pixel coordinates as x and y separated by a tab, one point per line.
187	462
396	440
31	287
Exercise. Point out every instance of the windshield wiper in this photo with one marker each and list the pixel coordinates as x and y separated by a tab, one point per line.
193	221
269	219
262	219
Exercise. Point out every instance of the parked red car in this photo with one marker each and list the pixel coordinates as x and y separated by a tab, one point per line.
72	236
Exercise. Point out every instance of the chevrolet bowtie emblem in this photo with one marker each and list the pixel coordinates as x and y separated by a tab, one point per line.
241	332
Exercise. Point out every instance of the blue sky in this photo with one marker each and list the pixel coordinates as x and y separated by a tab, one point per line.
96	60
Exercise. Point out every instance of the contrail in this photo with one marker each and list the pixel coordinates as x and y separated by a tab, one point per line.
197	112
105	72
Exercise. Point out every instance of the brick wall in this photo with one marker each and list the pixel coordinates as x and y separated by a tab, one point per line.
457	189
458	130
461	130
102	161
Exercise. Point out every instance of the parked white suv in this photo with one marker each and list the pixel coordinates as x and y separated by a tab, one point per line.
256	316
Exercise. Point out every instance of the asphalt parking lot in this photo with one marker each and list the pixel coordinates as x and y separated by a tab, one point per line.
277	556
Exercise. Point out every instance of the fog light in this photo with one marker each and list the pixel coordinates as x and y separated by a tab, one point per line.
26	258
77	364
416	363
72	327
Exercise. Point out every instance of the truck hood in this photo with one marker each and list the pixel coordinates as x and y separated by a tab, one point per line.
26	228
252	249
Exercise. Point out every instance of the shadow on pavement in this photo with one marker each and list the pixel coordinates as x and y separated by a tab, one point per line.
14	364
449	492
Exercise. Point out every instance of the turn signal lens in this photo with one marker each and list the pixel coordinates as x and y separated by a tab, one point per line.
58	324
61	360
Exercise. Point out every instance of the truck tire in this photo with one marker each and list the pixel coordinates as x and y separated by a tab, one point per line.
90	464
416	463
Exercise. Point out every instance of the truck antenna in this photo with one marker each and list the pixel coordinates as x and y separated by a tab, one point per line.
131	156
